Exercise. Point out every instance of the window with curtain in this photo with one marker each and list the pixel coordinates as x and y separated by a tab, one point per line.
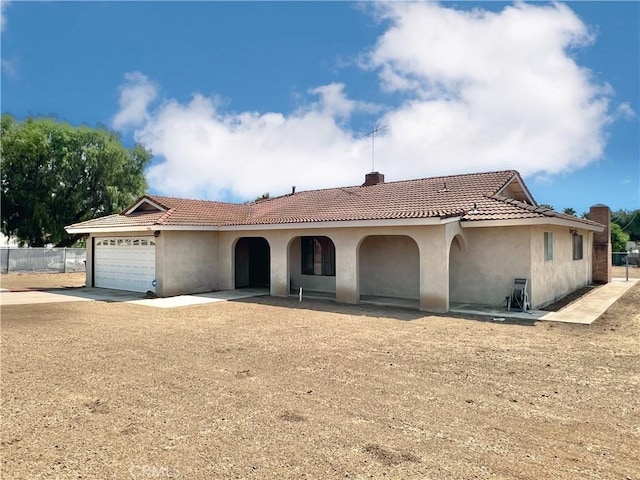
318	256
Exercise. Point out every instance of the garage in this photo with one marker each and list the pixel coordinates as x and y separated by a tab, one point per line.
125	263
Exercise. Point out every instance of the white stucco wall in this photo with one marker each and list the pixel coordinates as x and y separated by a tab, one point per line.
484	272
390	266
186	262
553	279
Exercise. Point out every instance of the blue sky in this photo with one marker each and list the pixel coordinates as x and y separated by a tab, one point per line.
238	99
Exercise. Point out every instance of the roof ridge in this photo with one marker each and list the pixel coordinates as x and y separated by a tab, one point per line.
395	182
182	199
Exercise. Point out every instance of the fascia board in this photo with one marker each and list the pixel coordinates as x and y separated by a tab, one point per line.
92	230
396	222
399	222
518	222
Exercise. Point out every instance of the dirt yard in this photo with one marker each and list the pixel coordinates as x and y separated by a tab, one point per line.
271	388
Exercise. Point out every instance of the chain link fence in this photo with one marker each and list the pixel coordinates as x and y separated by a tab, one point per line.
53	260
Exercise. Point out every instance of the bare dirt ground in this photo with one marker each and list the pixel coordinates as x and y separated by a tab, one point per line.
41	281
271	388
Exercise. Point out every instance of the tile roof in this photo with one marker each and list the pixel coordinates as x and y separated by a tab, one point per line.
472	197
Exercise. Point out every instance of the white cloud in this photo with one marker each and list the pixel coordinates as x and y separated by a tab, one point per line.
490	90
8	68
3	16
483	90
335	104
210	153
625	111
135	96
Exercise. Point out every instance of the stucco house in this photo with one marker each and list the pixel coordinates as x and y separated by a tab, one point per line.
430	242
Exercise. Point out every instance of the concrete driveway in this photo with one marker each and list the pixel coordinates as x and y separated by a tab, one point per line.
28	297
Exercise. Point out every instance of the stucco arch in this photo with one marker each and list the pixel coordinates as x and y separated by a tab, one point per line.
457	262
251	262
388	266
319	277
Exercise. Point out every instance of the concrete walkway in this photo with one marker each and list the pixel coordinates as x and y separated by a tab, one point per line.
588	308
585	310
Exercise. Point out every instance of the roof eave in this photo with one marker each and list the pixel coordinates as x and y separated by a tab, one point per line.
514	222
394	222
112	229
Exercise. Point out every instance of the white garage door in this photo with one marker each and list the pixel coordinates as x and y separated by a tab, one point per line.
125	263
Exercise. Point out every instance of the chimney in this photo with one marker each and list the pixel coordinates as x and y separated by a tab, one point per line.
601	260
373	178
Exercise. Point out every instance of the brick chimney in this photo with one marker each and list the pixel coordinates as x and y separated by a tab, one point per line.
373	178
601	260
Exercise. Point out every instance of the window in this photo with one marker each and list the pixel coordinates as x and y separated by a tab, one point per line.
318	256
577	247
548	246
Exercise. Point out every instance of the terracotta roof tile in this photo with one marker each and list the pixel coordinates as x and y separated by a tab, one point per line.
439	197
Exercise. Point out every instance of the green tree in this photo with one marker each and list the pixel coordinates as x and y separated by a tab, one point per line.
619	239
569	211
264	196
629	221
546	205
55	174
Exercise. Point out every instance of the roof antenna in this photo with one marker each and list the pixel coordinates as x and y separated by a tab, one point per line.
372	134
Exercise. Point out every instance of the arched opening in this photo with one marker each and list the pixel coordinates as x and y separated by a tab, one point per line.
312	261
457	262
389	269
252	263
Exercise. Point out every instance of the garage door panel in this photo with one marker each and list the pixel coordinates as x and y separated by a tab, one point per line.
125	263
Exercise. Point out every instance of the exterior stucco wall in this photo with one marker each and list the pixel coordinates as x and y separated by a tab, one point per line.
316	283
89	262
553	279
390	266
484	272
186	262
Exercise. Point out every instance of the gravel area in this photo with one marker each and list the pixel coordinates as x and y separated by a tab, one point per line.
274	388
